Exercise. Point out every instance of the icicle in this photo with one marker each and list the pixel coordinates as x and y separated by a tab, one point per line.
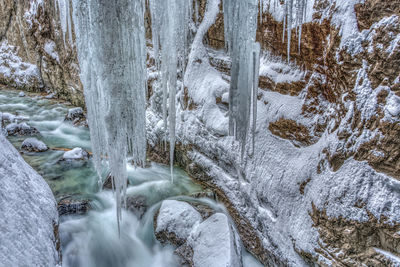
256	73
112	57
240	19
170	28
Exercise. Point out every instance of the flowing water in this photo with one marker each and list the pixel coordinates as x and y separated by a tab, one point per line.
93	239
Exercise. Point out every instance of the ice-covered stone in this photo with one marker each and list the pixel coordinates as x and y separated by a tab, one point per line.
214	243
8	117
33	145
21	94
75	154
176	220
74	113
28	213
21	129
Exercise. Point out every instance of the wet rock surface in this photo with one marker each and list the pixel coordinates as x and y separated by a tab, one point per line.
73	206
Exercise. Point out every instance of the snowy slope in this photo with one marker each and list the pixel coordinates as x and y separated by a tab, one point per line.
28	213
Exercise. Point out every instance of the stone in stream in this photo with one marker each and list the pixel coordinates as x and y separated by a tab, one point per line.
21	94
33	145
8	117
137	205
77	116
175	221
21	129
215	243
70	206
212	242
75	155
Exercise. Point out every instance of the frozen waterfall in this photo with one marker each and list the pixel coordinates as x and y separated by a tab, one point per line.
112	54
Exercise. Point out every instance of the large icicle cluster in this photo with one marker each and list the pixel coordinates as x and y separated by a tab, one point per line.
240	19
64	9
111	50
170	31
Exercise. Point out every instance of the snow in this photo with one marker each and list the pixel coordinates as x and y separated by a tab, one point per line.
28	212
32	144
75	154
74	113
177	217
213	243
49	48
21	94
14	70
393	258
12	118
393	105
20	129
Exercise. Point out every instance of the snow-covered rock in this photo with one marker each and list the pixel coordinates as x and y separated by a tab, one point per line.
21	94
28	213
8	117
21	129
176	220
74	113
33	145
214	243
76	154
77	116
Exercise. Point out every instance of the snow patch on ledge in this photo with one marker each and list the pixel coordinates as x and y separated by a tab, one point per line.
14	71
28	212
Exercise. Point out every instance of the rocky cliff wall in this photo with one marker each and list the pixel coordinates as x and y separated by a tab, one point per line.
36	54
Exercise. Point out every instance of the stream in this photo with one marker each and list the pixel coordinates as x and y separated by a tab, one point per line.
92	239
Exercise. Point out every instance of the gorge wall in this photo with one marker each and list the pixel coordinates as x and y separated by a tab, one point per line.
322	186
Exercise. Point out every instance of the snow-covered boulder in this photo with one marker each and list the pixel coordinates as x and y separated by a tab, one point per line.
8	117
77	116
76	154
28	220
21	129
214	243
33	145
175	221
21	94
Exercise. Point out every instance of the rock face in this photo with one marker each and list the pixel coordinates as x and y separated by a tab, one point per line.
29	219
34	53
33	145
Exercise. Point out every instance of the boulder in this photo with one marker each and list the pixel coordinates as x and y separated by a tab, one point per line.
175	221
76	154
77	116
34	145
21	94
21	129
137	205
215	243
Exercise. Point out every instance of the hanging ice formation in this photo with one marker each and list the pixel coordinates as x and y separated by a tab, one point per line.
63	7
299	16
111	51
240	19
170	31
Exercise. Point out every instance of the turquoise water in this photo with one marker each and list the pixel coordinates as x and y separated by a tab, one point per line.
92	239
